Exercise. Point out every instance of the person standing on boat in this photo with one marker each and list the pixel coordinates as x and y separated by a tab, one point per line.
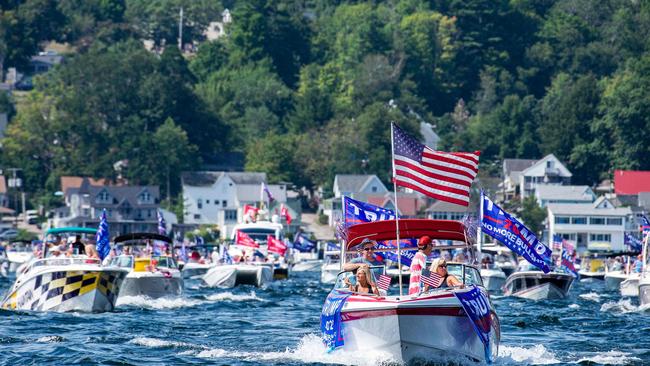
366	259
418	263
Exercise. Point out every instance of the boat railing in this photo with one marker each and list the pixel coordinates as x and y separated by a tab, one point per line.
63	261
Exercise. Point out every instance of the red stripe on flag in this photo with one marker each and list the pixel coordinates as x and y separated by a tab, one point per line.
422	169
383	282
459	164
434	280
432	184
432	195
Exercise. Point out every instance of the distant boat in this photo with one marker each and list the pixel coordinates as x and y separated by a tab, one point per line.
532	284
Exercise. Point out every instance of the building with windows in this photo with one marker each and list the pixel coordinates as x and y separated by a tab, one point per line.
128	208
548	171
218	198
593	227
441	210
548	193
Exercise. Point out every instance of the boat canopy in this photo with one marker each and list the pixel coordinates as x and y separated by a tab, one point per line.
71	229
408	228
140	237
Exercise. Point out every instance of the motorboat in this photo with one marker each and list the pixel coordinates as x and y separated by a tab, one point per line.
150	275
592	268
192	269
493	278
312	265
430	325
60	283
532	284
630	286
501	257
613	279
331	266
281	270
19	253
231	275
644	289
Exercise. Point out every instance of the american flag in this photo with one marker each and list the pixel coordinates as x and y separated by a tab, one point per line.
434	280
557	243
440	175
383	282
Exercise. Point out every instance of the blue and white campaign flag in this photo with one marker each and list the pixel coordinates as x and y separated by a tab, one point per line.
333	246
566	262
162	225
303	244
645	226
503	227
266	190
357	212
330	320
159	246
635	244
225	256
102	238
477	307
199	240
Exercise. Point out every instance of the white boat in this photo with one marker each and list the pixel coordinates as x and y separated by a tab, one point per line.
331	267
613	280
593	268
231	275
19	254
153	276
61	283
630	287
493	279
427	326
193	270
537	285
307	266
501	257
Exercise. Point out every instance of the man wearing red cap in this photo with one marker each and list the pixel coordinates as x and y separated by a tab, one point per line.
418	263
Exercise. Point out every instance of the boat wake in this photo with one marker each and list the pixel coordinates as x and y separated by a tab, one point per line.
623	306
591	296
608	358
229	296
157	304
535	355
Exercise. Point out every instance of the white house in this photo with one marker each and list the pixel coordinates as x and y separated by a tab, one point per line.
219	197
548	193
357	186
511	171
596	227
548	170
441	210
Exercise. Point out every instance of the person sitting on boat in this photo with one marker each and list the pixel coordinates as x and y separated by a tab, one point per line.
91	252
366	259
638	264
439	266
419	261
78	247
365	284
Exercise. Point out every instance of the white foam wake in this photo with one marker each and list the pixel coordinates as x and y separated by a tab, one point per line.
535	355
229	296
609	358
158	304
592	296
50	339
623	306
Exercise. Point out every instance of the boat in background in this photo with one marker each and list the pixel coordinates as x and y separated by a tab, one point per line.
592	267
331	266
312	265
630	286
427	326
532	284
59	283
501	256
153	276
231	275
19	253
493	278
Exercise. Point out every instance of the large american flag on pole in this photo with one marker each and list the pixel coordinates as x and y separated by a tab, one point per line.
440	175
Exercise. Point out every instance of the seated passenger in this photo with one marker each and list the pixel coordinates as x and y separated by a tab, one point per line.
366	259
78	246
418	263
91	252
364	284
439	266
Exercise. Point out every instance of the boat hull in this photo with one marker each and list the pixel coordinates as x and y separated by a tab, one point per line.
281	273
307	266
613	280
536	285
61	290
428	329
644	292
152	285
630	287
329	273
195	270
229	276
493	279
593	275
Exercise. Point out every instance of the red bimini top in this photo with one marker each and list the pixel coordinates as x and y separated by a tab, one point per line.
408	228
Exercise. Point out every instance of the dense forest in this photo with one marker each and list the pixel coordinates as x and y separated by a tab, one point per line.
307	88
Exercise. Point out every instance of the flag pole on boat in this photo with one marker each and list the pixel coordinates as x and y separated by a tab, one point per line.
479	229
399	251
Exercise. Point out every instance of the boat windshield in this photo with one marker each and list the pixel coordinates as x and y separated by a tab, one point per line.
165	262
468	275
124	261
345	280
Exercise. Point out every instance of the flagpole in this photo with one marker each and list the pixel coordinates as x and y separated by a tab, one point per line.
399	251
479	230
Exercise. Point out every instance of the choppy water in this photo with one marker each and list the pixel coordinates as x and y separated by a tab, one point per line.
279	326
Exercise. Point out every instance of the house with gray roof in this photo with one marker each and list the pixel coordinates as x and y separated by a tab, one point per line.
441	210
218	198
547	170
353	185
128	208
511	170
548	193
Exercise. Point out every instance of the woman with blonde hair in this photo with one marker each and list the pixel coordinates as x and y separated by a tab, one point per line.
439	266
364	284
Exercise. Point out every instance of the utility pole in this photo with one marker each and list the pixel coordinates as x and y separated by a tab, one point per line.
180	31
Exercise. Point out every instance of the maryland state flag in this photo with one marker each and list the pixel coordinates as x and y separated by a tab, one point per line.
243	239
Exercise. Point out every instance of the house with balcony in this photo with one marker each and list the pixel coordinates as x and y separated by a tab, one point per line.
128	208
548	170
218	198
594	227
510	172
548	193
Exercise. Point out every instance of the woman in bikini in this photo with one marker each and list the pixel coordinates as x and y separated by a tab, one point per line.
364	283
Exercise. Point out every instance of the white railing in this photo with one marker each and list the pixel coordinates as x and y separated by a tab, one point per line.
63	261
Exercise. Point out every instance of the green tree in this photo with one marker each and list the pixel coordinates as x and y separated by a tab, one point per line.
532	215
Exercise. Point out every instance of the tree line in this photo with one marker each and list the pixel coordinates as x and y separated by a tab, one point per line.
307	88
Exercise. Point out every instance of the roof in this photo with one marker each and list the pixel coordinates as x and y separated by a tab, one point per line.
122	194
568	193
409	203
68	182
6	210
517	165
208	178
539	169
3	184
586	209
408	228
352	182
631	181
50	59
442	206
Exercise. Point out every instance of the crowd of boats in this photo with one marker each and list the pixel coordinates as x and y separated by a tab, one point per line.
62	272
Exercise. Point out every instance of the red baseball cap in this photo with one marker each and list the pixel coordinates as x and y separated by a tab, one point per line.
424	241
